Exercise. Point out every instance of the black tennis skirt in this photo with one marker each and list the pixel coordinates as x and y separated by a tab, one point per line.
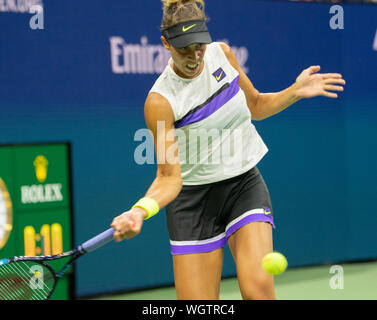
203	217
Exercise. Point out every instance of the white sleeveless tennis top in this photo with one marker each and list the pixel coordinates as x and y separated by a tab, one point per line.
216	139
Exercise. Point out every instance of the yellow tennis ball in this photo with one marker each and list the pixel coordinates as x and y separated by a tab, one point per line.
274	263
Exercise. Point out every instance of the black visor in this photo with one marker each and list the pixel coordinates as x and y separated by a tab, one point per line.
187	33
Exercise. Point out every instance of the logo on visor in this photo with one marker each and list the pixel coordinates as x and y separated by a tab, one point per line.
219	74
184	29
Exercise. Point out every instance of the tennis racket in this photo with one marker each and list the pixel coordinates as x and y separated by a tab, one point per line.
32	278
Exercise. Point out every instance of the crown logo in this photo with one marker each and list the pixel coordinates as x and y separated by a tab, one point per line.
40	164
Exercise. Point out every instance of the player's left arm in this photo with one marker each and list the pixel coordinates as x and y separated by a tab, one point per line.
307	85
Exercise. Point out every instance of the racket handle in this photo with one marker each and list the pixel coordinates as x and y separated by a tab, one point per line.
98	241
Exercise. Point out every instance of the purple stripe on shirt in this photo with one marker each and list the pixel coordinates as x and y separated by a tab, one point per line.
198	248
211	107
251	218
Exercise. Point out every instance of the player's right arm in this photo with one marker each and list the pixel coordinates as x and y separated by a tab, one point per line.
167	184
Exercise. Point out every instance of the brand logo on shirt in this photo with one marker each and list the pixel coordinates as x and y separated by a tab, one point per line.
219	74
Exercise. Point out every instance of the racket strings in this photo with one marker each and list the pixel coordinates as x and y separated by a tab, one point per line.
40	289
22	281
13	286
38	294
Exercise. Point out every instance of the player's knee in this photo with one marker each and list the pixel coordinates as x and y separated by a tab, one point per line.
259	289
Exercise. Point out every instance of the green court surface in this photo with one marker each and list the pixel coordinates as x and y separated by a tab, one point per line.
309	283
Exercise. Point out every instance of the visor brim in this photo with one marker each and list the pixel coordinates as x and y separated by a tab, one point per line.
188	39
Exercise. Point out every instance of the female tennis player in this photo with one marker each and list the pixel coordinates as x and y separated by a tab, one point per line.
214	195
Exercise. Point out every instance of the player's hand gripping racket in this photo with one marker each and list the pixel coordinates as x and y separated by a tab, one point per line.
31	278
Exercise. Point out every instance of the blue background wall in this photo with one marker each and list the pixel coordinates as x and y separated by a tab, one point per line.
57	84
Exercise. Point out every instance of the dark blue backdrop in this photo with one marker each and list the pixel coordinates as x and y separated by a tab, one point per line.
58	84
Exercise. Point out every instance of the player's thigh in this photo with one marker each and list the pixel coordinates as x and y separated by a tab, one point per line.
197	276
248	245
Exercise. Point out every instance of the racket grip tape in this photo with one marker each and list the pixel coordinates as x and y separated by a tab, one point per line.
98	241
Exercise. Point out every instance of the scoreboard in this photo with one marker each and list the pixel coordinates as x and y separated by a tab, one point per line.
35	204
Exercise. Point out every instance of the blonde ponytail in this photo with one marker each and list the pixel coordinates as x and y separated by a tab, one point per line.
167	3
175	11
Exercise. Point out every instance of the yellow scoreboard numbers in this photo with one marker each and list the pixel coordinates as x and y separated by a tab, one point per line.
49	241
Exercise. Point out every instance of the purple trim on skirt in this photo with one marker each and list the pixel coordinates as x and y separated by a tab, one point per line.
259	217
198	248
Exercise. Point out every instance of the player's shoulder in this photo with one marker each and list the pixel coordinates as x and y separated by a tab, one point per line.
228	53
158	107
156	100
222	49
225	48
